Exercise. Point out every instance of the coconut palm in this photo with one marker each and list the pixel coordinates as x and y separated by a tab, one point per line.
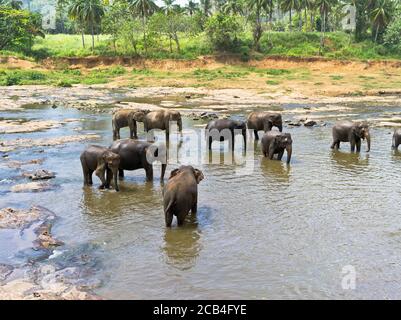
258	7
14	4
191	7
289	6
206	7
381	15
233	7
325	6
143	9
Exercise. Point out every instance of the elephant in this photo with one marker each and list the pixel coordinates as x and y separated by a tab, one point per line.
396	139
225	124
134	155
160	119
127	118
274	142
353	132
100	160
258	121
180	194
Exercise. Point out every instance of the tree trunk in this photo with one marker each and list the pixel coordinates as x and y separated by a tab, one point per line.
177	43
323	29
306	19
171	44
377	32
145	45
290	20
300	20
83	38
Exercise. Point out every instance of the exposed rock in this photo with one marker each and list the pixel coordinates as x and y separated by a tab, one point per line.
19	164
40	174
15	218
310	123
12	126
5	271
32	187
294	123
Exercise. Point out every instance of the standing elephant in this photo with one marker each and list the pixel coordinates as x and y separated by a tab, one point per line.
258	121
100	160
353	132
161	119
396	139
224	124
274	142
134	155
127	118
180	194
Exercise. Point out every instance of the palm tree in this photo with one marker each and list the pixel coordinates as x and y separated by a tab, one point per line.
233	7
88	12
381	14
143	9
258	7
13	4
191	7
75	14
168	6
325	7
206	6
288	6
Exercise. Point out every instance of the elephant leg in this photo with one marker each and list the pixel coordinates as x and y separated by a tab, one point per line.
90	181
280	155
271	153
181	219
353	145
121	174
114	135
167	136
358	146
210	143
109	177
149	172
194	207
256	134
135	130
335	144
85	173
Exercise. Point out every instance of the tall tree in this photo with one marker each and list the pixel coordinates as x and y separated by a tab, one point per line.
325	6
233	7
380	15
257	8
143	9
191	7
206	7
289	6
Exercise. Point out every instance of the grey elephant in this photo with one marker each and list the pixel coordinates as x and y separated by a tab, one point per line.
396	139
258	121
274	142
180	194
135	154
100	160
353	132
214	131
127	118
160	119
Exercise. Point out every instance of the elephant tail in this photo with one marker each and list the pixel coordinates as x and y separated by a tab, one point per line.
169	207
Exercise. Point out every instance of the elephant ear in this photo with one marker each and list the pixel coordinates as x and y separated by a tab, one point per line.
199	175
174	173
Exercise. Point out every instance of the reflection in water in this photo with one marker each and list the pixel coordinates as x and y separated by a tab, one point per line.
355	162
182	246
277	170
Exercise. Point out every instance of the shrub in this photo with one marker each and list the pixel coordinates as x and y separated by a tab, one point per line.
392	37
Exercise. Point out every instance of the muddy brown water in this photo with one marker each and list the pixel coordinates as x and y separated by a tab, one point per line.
277	232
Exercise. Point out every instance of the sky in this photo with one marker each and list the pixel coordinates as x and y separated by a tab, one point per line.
181	2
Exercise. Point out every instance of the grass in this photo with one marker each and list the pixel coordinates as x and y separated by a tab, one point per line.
338	45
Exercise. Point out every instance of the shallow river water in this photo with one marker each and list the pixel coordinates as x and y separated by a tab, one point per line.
277	231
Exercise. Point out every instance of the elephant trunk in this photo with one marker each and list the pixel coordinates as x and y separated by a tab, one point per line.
280	127
367	136
179	123
289	153
115	178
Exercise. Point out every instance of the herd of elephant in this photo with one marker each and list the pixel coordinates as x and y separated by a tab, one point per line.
180	193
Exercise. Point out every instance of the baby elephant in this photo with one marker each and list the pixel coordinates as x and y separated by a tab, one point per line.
274	142
353	132
127	118
396	139
100	160
181	194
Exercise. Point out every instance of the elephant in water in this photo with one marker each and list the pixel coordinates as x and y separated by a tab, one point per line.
100	160
274	142
160	119
353	132
396	139
180	194
258	121
135	155
127	118
224	124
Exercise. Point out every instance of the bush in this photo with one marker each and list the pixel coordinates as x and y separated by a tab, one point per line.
392	37
223	31
64	84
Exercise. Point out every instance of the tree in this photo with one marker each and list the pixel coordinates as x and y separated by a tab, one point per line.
206	7
143	9
191	7
222	31
289	6
380	15
18	28
112	22
392	36
258	7
233	7
13	4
